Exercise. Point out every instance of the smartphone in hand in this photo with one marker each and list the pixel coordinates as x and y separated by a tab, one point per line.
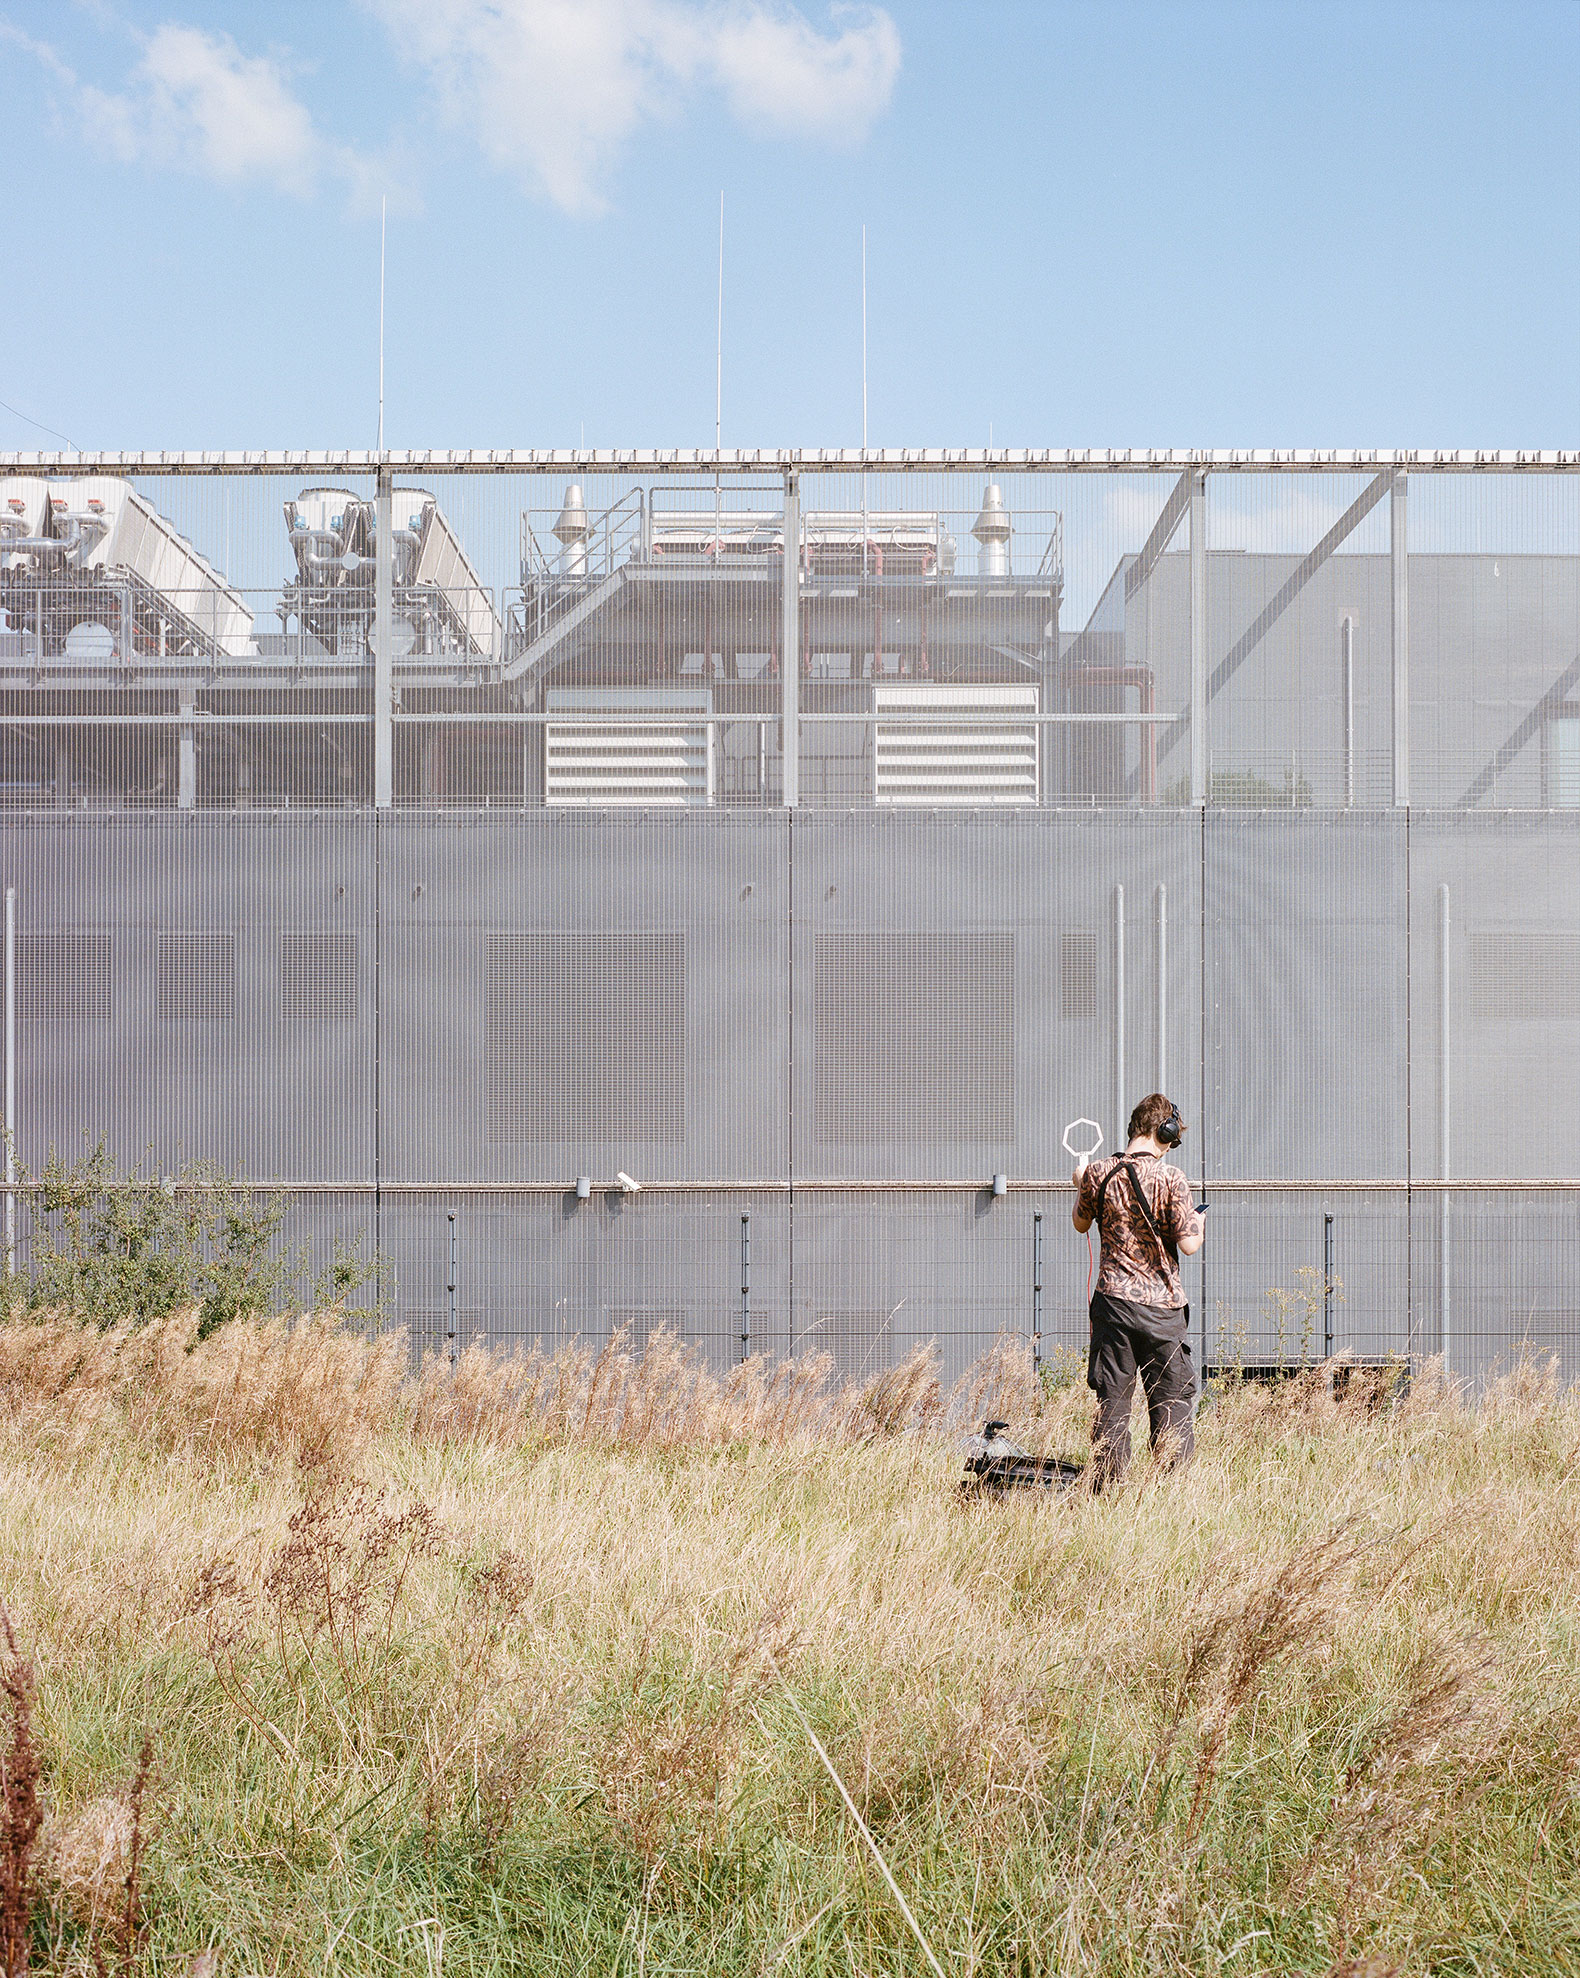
1202	1208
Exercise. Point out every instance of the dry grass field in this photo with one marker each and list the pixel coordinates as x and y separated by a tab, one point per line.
323	1667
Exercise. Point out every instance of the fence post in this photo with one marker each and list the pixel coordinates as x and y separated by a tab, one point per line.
746	1287
450	1290
1036	1292
1327	1286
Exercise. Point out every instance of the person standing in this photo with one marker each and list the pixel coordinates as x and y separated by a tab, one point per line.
1146	1221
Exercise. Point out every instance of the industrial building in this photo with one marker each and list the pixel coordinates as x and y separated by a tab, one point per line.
716	880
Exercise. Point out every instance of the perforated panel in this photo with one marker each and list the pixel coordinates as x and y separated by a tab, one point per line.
641	1322
318	977
1078	975
64	977
1522	974
586	1036
915	1037
197	977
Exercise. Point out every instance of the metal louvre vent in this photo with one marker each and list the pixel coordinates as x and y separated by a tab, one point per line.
197	977
586	1037
915	1038
1522	974
929	760
610	765
1078	975
599	759
318	977
63	977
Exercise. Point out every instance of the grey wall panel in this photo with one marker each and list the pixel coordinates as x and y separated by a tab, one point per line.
985	1083
208	986
1513	981
625	938
1489	637
161	990
1306	1032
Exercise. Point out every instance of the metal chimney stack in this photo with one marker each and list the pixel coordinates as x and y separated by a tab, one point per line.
572	531
992	531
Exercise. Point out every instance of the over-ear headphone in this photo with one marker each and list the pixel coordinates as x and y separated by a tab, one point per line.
1172	1131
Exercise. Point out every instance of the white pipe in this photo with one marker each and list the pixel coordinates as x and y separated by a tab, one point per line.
1444	1098
1163	987
1120	1114
1399	564
10	1080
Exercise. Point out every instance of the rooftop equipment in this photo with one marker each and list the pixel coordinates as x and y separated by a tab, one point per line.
992	531
94	559
441	605
571	530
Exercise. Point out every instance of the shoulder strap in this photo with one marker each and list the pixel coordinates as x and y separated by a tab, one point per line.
1141	1197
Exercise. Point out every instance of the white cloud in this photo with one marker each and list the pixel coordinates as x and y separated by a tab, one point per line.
551	89
777	67
195	102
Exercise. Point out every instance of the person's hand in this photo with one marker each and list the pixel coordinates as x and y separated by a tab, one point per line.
1078	1170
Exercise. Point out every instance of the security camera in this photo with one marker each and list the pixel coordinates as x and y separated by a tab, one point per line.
627	1185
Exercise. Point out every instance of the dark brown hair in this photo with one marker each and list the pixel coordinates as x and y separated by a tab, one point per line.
1153	1110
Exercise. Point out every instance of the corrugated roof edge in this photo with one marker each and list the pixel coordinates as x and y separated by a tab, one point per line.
973	460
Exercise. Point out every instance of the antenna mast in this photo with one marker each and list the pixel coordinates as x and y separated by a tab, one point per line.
718	392
383	214
864	399
718	376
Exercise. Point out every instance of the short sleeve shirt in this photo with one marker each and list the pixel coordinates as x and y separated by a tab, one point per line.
1135	1265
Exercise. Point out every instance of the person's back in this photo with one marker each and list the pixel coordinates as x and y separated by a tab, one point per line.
1140	1321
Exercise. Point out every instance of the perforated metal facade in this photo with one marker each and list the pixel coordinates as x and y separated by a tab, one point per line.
808	840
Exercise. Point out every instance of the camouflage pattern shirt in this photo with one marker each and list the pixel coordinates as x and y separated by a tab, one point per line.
1135	1265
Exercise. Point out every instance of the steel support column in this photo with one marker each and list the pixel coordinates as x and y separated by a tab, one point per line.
1198	639
384	643
790	643
1399	558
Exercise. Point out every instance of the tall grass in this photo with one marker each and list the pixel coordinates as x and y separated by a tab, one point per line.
511	1669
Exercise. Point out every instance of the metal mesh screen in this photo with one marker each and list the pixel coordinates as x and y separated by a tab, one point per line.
809	839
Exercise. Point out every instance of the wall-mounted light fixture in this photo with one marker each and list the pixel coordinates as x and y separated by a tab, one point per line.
583	1187
1001	1184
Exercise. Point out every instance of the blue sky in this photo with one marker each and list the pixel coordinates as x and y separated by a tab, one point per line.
1116	223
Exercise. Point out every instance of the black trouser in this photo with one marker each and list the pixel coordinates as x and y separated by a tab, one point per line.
1150	1340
